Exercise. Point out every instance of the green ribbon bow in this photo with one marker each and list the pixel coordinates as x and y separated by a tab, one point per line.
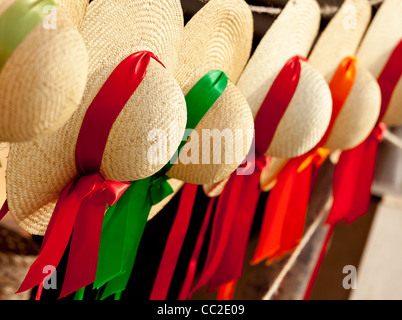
125	222
17	22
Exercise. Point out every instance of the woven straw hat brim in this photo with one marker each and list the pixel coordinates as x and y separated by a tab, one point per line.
340	39
42	82
359	114
307	116
75	9
219	36
38	171
382	36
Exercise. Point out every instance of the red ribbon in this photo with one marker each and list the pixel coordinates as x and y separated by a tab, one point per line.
234	216
285	211
196	253
4	210
354	172
175	242
81	205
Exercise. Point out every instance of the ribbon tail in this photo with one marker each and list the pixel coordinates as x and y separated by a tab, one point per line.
232	262
56	238
137	213
192	268
220	233
353	176
84	248
4	210
174	243
296	211
276	209
226	291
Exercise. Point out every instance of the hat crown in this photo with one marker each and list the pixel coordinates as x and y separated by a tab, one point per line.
308	114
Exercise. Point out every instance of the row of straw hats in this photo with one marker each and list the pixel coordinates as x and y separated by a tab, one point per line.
63	69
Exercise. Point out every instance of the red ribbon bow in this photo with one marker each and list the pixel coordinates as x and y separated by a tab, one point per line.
79	210
81	205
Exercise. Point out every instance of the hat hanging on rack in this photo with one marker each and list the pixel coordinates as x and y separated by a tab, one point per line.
307	116
216	44
218	37
381	52
43	68
112	31
339	40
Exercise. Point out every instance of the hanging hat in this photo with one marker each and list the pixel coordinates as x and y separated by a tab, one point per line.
339	40
112	31
218	37
43	69
307	116
75	9
383	35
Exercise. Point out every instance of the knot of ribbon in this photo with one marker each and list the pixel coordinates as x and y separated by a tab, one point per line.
254	165
379	131
95	184
81	206
160	189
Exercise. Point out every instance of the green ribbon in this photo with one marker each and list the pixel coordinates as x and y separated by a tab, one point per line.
125	222
17	22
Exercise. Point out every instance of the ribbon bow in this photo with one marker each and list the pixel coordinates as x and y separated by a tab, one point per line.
160	189
79	210
81	205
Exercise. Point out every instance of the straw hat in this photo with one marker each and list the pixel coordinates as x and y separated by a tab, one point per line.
42	82
340	39
219	36
112	30
359	114
308	114
383	34
75	9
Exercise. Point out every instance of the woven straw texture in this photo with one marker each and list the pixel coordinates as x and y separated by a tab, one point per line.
38	171
219	36
340	39
383	34
75	9
42	82
359	114
307	116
